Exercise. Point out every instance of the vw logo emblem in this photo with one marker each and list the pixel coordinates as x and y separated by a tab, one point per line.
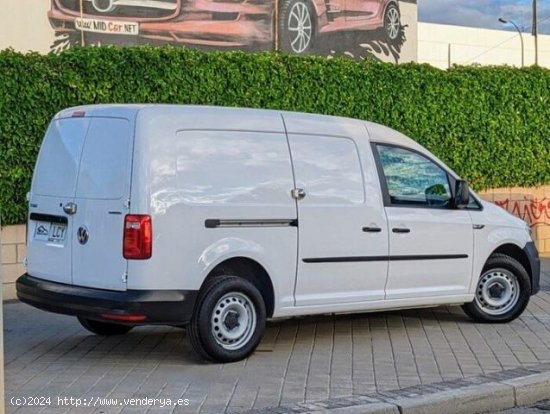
82	235
103	6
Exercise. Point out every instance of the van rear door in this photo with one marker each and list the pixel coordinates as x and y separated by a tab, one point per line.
79	198
102	200
53	188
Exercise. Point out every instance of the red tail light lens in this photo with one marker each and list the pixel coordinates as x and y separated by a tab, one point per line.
124	317
138	237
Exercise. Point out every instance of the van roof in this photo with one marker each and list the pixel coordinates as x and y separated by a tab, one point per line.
233	118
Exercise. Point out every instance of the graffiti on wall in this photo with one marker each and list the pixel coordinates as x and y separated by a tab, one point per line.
532	211
357	28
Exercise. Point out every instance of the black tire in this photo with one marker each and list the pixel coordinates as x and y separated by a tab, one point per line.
104	328
288	38
481	311
238	293
392	32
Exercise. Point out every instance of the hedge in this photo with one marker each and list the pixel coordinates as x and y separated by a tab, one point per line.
491	124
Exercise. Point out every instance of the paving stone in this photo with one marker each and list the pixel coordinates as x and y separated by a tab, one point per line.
311	359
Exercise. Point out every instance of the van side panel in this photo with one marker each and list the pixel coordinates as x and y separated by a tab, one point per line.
216	189
341	262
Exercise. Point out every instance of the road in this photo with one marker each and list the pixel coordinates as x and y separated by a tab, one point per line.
299	360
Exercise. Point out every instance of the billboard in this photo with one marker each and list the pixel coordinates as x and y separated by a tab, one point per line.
379	29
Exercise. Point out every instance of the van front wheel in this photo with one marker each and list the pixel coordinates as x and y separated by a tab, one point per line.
502	292
229	320
104	328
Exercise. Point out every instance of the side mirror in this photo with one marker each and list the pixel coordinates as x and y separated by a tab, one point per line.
437	195
462	194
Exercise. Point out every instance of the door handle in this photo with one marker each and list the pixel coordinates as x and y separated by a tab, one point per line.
401	230
69	208
298	193
372	229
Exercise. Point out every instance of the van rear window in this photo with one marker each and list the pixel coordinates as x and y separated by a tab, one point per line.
57	166
84	157
105	158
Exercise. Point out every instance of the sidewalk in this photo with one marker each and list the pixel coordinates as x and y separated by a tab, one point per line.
311	359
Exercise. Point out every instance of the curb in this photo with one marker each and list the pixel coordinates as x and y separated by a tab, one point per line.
492	396
494	392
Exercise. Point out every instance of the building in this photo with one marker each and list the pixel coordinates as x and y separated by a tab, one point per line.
444	45
379	29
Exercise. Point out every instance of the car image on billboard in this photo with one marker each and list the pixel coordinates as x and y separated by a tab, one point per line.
295	26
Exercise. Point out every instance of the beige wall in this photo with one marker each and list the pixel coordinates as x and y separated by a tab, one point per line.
24	25
14	250
531	204
470	45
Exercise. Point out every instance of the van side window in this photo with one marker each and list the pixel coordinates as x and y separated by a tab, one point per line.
473	204
328	169
412	179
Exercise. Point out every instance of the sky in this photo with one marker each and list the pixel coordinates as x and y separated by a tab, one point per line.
485	13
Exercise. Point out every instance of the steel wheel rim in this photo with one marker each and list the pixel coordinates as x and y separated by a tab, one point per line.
233	320
497	292
299	26
392	23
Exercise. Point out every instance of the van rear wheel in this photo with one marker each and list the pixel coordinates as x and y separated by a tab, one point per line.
229	320
104	328
502	292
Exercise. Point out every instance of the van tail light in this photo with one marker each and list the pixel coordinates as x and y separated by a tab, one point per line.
138	237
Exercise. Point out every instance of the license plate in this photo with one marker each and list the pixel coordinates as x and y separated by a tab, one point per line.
50	232
107	26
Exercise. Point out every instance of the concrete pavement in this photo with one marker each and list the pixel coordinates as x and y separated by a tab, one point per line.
542	407
404	354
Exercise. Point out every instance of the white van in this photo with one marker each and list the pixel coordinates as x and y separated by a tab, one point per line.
221	218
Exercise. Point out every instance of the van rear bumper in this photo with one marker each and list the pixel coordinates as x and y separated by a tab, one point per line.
136	307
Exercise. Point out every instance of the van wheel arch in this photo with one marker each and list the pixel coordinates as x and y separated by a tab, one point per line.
517	253
229	320
502	291
249	270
